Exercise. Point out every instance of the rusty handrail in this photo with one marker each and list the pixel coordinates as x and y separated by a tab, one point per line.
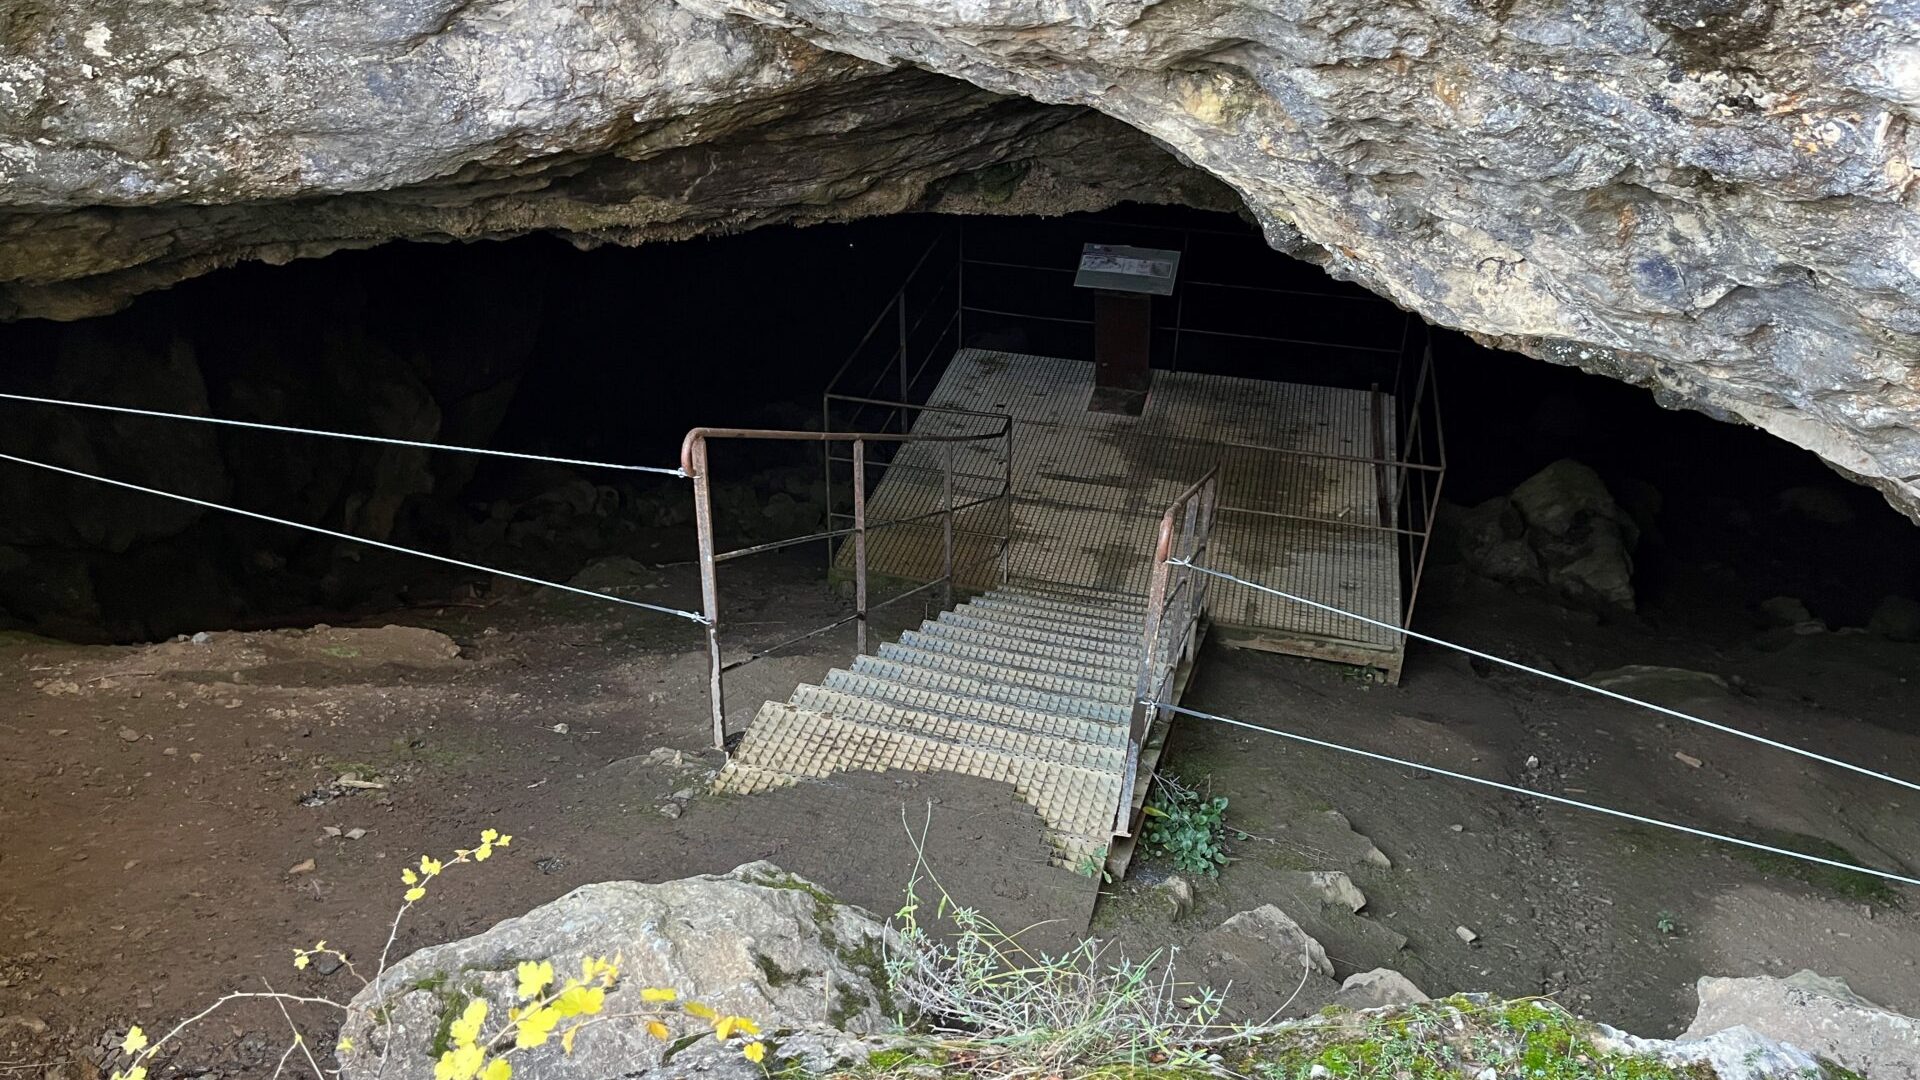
694	463
1185	530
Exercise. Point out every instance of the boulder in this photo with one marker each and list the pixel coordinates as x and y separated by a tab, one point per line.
1583	540
756	942
1817	1014
1376	989
1559	529
1737	1053
1896	617
1265	964
1670	686
1784	611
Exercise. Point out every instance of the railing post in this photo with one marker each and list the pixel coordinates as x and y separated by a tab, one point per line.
946	538
1006	495
860	545
709	590
900	299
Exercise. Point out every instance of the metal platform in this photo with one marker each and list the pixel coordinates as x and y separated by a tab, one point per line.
1302	498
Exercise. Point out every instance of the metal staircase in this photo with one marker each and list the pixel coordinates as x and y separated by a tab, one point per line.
1025	685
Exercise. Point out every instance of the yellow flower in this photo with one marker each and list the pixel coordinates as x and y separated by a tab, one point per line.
723	1028
135	1041
415	893
488	836
300	960
344	1046
566	1037
482	853
658	1030
694	1008
497	1069
466	1030
459	1063
429	865
536	1027
755	1051
138	1072
409	877
533	978
580	1001
504	841
745	1026
656	993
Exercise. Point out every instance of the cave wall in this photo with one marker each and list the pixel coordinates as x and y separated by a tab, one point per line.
1711	198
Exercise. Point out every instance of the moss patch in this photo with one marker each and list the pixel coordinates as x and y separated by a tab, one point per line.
776	975
1848	884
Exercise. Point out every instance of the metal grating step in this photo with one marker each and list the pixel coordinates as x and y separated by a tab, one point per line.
1109	623
1012	676
1082	654
878	670
1100	638
785	743
1093	609
1105	601
1017	633
1062	741
1001	667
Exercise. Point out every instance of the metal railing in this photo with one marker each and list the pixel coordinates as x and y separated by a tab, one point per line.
696	464
1176	606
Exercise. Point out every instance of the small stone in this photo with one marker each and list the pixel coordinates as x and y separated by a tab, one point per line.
171	751
1687	759
1318	1072
670	810
1465	934
304	866
560	729
127	734
56	732
355	834
1533	761
326	964
202	638
1378	989
1179	895
330	830
1487	1073
685	794
1458	828
196	757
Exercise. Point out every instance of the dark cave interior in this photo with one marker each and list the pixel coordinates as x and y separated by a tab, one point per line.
533	345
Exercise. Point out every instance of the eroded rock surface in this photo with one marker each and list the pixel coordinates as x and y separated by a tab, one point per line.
1715	200
755	942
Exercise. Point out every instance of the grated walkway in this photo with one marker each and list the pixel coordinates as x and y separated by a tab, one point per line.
1090	489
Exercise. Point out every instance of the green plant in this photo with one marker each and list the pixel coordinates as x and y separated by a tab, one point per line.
1666	923
1094	865
1187	827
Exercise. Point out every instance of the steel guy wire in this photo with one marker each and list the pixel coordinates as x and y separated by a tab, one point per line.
1529	792
283	429
694	616
1576	683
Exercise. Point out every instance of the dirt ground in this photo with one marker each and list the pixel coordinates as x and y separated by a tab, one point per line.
173	821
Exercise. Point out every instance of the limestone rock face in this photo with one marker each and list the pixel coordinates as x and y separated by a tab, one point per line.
756	942
1712	199
1817	1014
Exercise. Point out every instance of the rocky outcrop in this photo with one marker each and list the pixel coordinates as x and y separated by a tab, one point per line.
756	942
1559	530
1714	200
1817	1014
